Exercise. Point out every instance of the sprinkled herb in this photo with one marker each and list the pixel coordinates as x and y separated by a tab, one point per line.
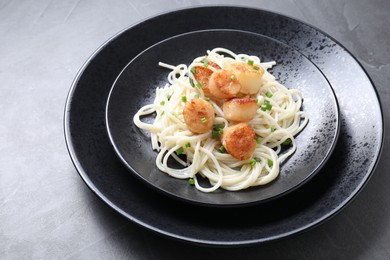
254	161
222	149
217	131
191	181
162	103
266	105
250	62
169	97
270	163
273	129
184	98
256	67
203	119
188	145
232	77
268	94
287	141
197	95
199	85
205	62
192	83
258	140
193	70
179	151
207	99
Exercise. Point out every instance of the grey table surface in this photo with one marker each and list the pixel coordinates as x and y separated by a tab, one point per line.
47	211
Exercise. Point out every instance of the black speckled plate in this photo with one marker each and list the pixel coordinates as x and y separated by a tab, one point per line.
136	85
339	181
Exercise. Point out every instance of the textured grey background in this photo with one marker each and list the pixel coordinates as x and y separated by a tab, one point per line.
46	210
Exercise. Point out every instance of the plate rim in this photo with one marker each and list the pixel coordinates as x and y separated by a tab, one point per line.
81	171
166	192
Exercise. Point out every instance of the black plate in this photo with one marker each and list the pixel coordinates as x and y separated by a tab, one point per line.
339	181
136	86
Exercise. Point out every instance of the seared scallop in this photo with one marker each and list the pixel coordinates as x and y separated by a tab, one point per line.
249	76
199	115
240	109
239	141
223	84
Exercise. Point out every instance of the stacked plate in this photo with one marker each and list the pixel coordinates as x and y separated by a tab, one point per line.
336	154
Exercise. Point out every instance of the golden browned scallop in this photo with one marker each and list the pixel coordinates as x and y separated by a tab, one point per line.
202	75
248	76
240	109
223	84
199	115
239	141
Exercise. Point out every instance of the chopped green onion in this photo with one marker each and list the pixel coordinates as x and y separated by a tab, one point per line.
268	94
250	62
203	119
217	131
222	149
205	62
184	98
207	99
273	129
270	163
162	103
179	151
232	77
254	161
192	83
287	141
197	95
258	140
193	70
169	97
188	145
256	67
266	105
199	85
191	181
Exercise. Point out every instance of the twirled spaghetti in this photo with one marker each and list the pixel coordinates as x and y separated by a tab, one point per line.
277	120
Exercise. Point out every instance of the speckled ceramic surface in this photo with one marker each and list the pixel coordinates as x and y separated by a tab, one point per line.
339	181
135	87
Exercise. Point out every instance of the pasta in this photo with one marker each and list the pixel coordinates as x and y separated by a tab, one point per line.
207	153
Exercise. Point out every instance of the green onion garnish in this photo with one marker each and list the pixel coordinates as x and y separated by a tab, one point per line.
273	129
217	131
193	70
254	161
179	151
203	119
270	163
207	99
232	77
250	62
258	140
191	181
192	83
268	94
256	67
199	85
184	98
287	141
266	105
162	103
197	95
222	149
188	145
205	62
